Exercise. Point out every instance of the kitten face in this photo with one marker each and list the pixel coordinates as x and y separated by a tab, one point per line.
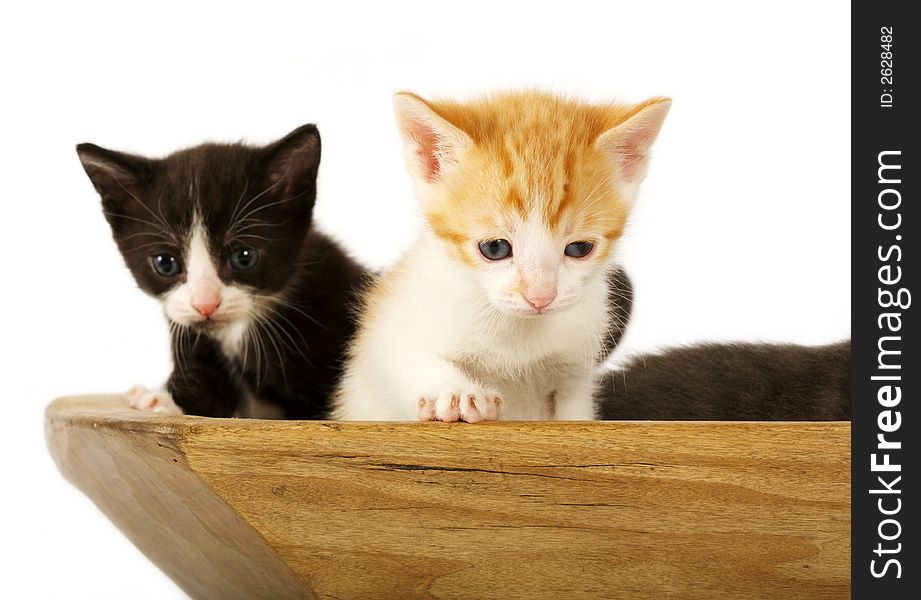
213	229
204	298
537	276
530	192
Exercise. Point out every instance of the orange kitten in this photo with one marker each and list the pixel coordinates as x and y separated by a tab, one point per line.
501	306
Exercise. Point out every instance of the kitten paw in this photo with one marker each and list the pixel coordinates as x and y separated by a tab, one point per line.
470	407
426	409
160	402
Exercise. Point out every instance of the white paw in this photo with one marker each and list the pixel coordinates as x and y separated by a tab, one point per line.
161	402
471	406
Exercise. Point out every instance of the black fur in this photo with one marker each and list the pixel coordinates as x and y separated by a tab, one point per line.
732	382
620	299
150	204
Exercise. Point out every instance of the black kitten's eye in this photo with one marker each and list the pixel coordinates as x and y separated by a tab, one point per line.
578	249
243	259
496	249
166	265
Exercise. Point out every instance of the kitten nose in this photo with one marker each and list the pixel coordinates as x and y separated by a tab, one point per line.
542	300
206	297
206	307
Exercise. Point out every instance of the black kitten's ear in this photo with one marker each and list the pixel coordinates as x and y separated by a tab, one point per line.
114	174
291	164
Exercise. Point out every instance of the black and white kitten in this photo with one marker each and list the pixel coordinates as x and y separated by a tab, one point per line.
258	302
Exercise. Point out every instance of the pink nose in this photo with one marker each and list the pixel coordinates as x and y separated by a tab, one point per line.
541	301
206	307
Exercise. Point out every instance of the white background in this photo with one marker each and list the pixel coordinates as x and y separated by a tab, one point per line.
741	231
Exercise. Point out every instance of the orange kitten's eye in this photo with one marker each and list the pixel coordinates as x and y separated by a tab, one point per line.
496	249
578	249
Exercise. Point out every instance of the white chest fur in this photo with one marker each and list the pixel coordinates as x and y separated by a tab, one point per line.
232	338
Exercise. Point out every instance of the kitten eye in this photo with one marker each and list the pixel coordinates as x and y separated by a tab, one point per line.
243	259
166	265
496	249
578	249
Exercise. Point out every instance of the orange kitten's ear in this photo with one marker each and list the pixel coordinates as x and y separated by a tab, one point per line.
431	145
628	144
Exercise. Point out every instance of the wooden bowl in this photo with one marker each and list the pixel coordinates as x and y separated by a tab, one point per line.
238	508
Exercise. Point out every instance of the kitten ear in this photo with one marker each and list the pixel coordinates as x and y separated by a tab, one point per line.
431	145
292	162
628	144
114	174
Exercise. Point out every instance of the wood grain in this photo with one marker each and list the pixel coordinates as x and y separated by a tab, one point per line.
248	508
